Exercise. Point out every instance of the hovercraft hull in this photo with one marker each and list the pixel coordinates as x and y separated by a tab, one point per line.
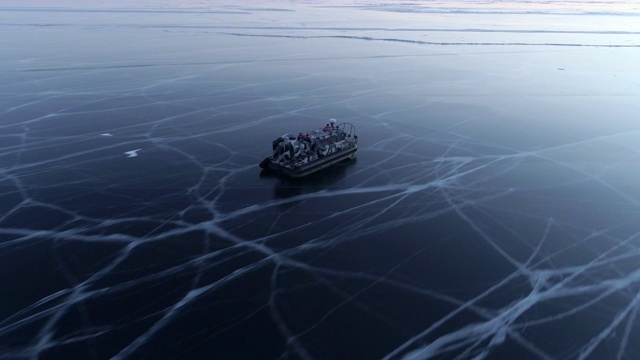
312	167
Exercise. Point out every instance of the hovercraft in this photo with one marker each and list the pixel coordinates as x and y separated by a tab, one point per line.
306	153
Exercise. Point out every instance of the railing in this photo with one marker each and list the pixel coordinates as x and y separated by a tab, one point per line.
349	129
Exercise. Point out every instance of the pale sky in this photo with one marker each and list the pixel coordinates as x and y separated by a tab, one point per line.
594	5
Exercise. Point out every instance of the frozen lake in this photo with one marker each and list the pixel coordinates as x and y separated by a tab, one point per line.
493	210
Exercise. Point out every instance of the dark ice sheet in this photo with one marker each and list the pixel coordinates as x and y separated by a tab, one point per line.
493	210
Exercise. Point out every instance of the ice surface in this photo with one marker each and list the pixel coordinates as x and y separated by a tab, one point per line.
492	212
132	153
